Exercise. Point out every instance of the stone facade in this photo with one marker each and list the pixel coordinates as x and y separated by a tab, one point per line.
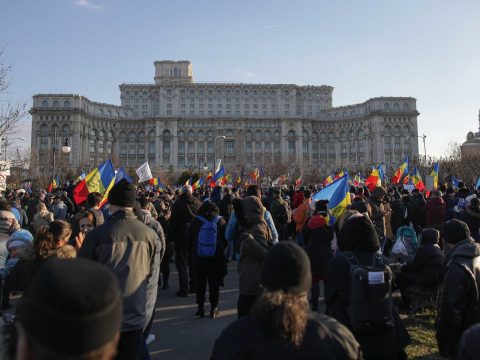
178	123
471	147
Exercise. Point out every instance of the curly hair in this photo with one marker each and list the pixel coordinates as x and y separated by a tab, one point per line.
283	315
48	238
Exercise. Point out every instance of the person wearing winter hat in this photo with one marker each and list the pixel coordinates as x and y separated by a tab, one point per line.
458	303
123	242
471	216
19	245
73	310
280	326
358	236
318	237
425	269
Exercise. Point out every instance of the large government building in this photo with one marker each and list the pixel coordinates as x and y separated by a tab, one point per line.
175	122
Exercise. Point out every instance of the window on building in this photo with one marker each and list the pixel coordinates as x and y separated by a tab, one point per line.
230	147
181	147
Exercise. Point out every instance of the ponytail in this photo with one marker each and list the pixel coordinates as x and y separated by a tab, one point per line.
48	238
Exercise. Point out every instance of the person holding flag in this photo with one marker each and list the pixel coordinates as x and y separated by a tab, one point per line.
402	170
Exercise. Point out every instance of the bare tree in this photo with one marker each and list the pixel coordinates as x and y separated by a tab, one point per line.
11	111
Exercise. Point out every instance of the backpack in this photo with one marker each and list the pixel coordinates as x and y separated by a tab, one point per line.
207	237
285	214
371	304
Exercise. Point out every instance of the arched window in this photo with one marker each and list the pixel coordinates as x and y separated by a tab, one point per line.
93	142
109	113
141	144
396	107
406	129
210	135
181	135
276	142
230	134
291	142
386	107
258	134
43	137
56	104
397	129
144	93
191	134
405	107
66	104
65	130
131	136
44	104
100	112
387	130
151	142
101	142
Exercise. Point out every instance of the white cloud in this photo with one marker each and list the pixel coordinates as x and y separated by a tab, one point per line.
244	73
87	4
274	26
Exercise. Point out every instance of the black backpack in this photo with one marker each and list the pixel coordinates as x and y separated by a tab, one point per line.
285	214
371	304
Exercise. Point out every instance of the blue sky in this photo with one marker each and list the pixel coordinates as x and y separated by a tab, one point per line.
428	49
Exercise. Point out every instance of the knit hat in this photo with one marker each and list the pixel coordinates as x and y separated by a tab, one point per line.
321	206
123	194
430	236
19	238
286	267
360	206
73	306
454	231
359	234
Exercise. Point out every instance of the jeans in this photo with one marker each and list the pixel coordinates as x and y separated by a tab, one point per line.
130	346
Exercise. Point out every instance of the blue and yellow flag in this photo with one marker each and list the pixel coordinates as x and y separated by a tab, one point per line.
338	196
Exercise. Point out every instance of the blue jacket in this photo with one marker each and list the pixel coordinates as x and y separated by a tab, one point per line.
229	233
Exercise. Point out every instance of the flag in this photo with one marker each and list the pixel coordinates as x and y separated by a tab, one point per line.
434	173
280	180
122	174
188	182
402	170
381	173
417	180
374	179
144	173
218	176
255	174
407	180
209	177
455	182
339	175
328	180
338	196
219	163
298	182
154	181
98	180
239	179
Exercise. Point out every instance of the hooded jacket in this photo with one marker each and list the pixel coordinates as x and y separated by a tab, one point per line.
472	219
378	209
459	298
318	236
255	240
184	211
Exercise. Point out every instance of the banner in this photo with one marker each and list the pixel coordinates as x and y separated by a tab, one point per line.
144	173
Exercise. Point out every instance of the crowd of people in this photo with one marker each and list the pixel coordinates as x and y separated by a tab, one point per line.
89	275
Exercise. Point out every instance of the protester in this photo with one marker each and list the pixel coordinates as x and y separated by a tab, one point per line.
183	212
206	236
164	214
94	200
72	311
125	243
256	240
458	303
377	205
280	326
59	209
8	222
435	210
386	337
301	215
42	217
281	214
318	237
471	216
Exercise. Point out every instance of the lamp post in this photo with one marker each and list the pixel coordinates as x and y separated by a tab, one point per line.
65	149
6	143
215	150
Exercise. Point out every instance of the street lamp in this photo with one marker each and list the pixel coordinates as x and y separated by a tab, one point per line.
65	149
6	143
215	149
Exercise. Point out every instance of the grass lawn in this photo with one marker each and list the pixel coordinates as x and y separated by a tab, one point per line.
422	331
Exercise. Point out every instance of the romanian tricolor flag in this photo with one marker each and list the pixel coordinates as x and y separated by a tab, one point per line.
417	180
375	178
198	183
402	170
254	175
339	175
217	177
338	196
209	177
434	173
99	180
328	180
154	181
407	180
54	184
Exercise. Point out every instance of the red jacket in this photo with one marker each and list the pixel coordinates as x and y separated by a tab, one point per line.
435	211
297	199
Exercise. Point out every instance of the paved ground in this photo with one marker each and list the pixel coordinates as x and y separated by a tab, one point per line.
181	336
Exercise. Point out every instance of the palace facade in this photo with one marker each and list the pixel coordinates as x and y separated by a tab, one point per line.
177	123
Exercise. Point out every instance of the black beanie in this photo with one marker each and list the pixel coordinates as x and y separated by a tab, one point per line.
73	306
321	206
454	231
286	267
123	194
430	236
359	234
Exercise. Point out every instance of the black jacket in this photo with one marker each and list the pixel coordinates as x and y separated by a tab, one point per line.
459	298
472	219
183	212
324	338
226	207
426	267
399	215
318	241
382	345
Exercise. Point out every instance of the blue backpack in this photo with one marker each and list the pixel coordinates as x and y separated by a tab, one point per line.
207	237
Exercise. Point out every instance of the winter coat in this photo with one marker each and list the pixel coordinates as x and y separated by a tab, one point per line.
8	222
218	262
378	209
472	219
324	338
398	216
255	241
435	212
318	237
297	199
276	210
98	218
132	251
459	297
419	213
157	227
301	215
184	211
226	207
59	211
41	219
426	267
384	344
